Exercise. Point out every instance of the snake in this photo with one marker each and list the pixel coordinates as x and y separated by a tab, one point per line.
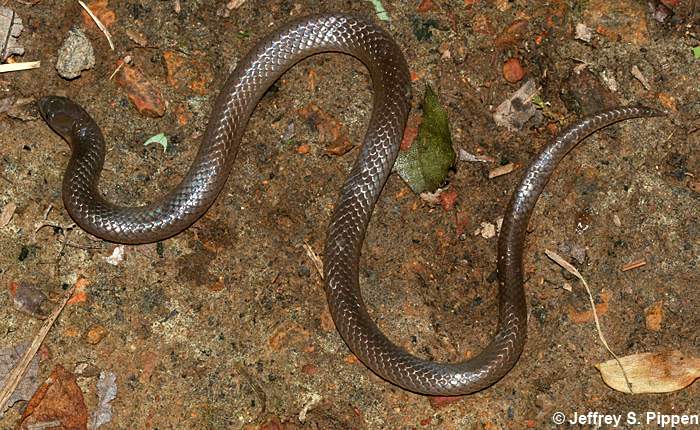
271	57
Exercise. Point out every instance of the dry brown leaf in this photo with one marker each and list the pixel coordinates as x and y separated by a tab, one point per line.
7	212
651	372
58	400
502	170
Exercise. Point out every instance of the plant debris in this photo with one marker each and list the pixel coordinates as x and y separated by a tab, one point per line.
634	265
425	165
380	11
161	139
651	372
514	112
502	170
106	13
29	299
60	400
28	384
10	29
572	270
14	377
106	392
6	214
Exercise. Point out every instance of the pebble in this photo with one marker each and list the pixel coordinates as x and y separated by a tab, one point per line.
513	71
95	334
75	55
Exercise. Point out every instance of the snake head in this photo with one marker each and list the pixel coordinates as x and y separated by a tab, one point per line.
64	116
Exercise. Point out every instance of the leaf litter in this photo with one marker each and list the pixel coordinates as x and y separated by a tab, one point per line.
9	357
106	392
425	164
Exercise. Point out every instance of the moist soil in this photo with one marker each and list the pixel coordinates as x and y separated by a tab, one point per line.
226	326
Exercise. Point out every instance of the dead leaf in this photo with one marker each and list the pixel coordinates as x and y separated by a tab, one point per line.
330	130
58	399
651	372
288	334
106	392
30	299
502	170
8	359
515	111
654	316
513	34
10	29
7	212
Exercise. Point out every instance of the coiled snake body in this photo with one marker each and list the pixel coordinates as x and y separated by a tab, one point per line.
266	62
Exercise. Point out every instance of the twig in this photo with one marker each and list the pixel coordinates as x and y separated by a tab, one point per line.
318	263
99	24
79	246
125	60
634	264
46	223
47	211
63	247
15	376
15	67
571	269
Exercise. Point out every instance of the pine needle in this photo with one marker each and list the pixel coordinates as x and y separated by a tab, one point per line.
571	269
99	24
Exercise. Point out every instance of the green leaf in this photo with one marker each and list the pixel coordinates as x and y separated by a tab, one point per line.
379	8
425	165
696	52
160	139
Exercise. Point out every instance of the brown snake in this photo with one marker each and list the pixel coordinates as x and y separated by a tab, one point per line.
263	65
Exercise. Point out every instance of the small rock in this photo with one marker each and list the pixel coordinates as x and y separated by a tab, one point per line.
75	55
660	11
487	230
583	33
95	334
117	256
513	71
578	252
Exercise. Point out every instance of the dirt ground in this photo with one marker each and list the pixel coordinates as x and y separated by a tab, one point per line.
225	326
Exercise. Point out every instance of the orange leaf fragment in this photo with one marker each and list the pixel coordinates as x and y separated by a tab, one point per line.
60	400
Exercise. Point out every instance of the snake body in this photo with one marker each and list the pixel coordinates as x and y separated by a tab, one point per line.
254	74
